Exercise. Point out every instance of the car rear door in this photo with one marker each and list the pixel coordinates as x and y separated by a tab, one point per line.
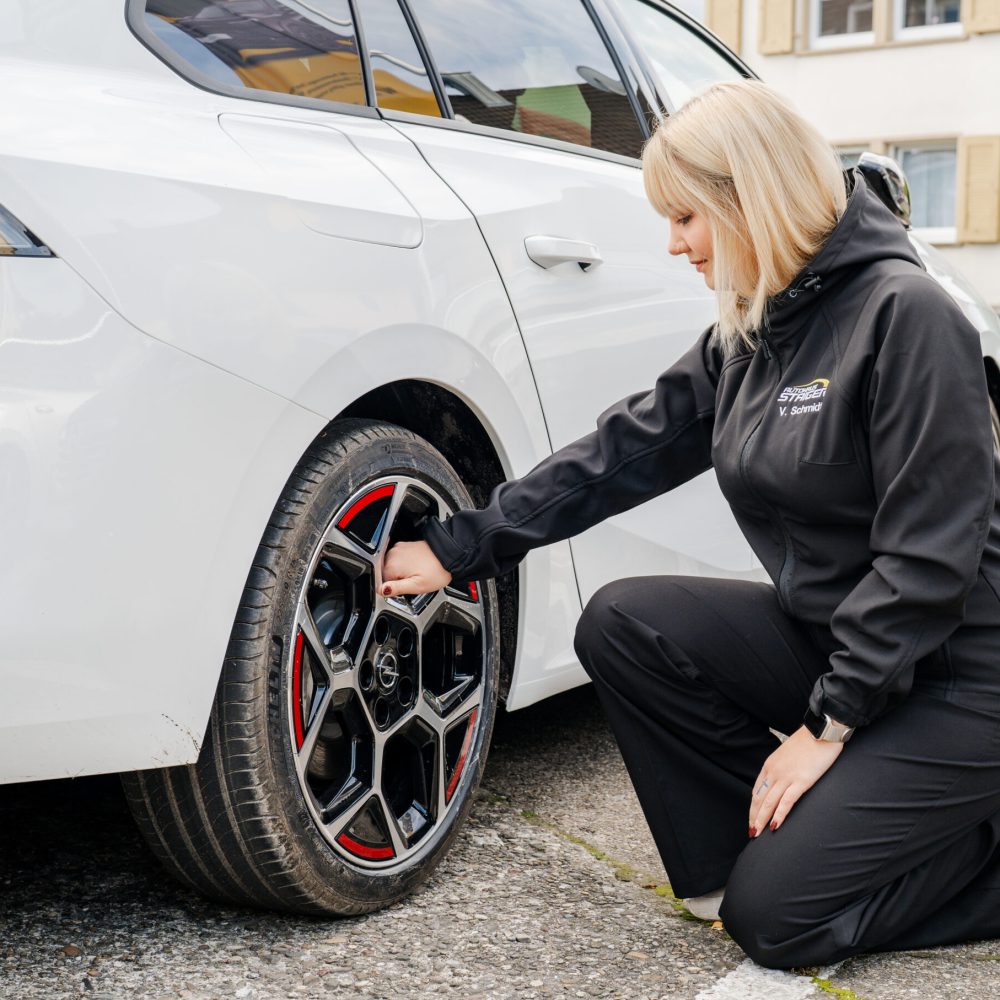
543	148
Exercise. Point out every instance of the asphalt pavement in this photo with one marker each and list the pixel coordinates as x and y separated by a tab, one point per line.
553	889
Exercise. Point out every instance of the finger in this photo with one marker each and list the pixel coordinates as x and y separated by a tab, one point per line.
404	585
758	790
792	795
767	807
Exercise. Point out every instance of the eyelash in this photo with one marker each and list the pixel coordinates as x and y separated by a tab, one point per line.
684	221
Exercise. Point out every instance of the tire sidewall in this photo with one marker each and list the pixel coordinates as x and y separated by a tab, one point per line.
395	451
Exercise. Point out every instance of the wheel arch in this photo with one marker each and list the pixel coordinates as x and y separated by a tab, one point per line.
444	419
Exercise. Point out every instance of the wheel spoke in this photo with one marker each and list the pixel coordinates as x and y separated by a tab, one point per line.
453	610
338	539
445	704
337	662
395	503
471	700
399	844
342	821
426	612
309	743
383	736
319	648
426	710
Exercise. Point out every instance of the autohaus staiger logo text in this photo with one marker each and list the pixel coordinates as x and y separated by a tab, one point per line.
808	398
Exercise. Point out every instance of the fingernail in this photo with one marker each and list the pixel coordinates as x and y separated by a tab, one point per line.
753	833
774	826
386	590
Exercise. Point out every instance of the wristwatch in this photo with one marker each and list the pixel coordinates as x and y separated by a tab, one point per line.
824	728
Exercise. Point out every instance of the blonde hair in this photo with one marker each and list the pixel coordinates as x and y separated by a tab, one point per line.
767	183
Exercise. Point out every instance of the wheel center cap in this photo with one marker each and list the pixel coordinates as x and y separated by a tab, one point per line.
386	670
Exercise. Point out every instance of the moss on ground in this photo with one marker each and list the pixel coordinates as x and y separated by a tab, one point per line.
627	873
835	991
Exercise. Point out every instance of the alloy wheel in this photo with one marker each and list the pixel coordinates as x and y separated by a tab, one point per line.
385	693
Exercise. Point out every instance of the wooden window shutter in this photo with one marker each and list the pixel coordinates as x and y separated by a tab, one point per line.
978	167
981	15
725	19
777	27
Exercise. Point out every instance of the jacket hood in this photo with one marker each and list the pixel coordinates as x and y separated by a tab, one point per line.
866	232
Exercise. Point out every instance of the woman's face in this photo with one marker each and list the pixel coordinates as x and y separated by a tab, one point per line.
689	234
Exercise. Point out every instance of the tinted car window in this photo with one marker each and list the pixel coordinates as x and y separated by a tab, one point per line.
684	63
536	68
274	45
401	81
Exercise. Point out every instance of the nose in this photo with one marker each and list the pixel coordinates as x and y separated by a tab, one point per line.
676	244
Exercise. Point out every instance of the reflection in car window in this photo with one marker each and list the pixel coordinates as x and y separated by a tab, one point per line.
684	63
277	45
401	81
536	68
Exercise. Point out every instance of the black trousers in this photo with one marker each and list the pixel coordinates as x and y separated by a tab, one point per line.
897	846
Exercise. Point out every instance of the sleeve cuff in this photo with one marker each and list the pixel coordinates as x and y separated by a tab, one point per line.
822	704
448	553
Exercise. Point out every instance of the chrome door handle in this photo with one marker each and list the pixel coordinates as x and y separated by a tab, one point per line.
547	251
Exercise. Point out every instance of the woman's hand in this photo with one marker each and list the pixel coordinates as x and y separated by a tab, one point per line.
412	568
789	772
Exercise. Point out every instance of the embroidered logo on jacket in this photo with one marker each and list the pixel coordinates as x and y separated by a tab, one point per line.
806	398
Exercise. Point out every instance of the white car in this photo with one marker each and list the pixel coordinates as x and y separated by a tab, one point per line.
277	279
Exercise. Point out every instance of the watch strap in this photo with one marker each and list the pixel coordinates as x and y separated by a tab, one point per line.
824	728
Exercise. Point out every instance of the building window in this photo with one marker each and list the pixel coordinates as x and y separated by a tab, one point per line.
926	18
930	172
836	23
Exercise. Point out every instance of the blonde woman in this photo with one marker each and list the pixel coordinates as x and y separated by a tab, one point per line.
841	399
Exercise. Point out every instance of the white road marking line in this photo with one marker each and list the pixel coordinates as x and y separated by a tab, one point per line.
749	981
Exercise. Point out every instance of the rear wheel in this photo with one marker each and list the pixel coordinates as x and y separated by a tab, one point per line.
349	730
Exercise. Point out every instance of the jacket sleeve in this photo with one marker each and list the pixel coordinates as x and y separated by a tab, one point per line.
644	445
933	473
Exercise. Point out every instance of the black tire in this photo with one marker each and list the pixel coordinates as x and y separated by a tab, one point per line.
245	824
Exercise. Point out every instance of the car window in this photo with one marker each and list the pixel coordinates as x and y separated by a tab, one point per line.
535	68
685	63
273	45
401	80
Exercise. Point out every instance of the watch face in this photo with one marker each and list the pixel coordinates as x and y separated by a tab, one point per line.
814	723
824	728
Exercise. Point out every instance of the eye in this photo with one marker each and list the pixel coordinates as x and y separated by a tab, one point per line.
684	221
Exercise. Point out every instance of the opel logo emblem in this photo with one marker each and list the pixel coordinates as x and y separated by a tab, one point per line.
387	671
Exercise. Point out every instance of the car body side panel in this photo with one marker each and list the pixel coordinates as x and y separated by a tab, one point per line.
137	483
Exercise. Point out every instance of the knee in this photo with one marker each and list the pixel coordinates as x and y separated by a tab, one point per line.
598	624
591	627
749	921
763	915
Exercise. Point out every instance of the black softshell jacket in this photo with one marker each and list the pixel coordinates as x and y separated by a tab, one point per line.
853	445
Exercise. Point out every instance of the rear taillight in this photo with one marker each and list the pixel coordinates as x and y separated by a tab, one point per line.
16	240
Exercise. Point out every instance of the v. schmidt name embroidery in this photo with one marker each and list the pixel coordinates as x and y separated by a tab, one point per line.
807	398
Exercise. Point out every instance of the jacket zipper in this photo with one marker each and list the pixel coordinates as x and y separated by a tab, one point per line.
813	282
789	560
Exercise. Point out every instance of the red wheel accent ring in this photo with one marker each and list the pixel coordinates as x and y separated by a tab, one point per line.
370	497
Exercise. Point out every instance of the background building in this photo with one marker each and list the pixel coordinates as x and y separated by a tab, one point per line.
916	79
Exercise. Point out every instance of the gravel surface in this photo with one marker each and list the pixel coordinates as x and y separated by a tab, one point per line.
554	889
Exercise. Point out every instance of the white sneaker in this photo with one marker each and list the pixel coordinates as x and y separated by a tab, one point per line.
705	907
